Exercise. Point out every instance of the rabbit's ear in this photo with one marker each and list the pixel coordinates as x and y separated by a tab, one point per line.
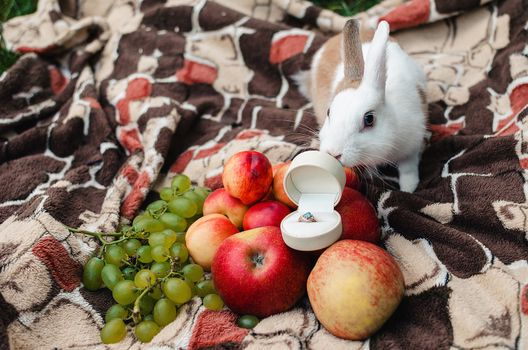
351	51
376	68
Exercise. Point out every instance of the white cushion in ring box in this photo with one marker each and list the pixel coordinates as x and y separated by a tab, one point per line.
314	182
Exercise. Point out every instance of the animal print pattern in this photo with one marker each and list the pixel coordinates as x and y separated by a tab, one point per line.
111	98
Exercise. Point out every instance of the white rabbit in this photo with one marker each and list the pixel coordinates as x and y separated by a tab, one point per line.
370	101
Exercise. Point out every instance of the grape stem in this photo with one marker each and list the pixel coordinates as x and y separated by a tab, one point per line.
127	263
99	235
136	311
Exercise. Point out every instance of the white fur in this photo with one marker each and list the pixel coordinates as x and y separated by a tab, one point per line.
399	124
339	75
302	80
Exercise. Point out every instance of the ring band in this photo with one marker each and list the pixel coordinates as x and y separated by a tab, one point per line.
307	217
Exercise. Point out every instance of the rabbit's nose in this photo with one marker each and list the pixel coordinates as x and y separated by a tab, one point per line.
336	155
332	150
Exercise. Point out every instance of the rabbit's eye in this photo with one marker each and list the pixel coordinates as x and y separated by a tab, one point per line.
328	112
368	119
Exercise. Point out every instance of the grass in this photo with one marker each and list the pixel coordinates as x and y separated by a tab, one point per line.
348	7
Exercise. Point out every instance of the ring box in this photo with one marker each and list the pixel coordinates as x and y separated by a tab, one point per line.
315	182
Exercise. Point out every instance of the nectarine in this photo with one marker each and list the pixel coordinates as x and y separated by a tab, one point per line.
205	235
279	170
358	217
268	213
220	202
247	176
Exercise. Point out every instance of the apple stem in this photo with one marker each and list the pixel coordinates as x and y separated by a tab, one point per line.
258	259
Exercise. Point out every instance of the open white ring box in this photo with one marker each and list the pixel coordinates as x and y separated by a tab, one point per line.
315	182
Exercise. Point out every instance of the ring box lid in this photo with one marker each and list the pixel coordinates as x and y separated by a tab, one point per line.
317	173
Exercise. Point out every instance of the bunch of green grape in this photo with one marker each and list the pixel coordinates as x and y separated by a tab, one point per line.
147	265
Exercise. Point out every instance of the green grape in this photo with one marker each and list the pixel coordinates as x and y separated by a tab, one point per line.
125	292
164	312
125	228
180	183
149	317
149	225
153	225
157	208
157	238
144	278
194	272
183	207
179	250
166	194
144	254
140	217
196	200
181	237
205	287
247	321
116	311
155	293
174	222
115	255
161	269
131	246
191	285
113	331
177	290
146	330
92	274
203	192
111	274
172	237
160	253
146	305
213	302
129	273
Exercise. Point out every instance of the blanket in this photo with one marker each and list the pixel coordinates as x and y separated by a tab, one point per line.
111	98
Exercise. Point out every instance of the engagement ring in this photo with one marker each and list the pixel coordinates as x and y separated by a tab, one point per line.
307	217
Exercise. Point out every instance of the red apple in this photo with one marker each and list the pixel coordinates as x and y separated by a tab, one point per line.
256	273
354	288
279	170
205	235
358	217
220	202
247	176
352	179
269	213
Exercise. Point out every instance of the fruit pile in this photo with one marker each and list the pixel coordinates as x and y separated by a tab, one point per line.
147	267
154	266
354	287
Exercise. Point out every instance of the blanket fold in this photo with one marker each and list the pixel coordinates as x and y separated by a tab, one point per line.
112	98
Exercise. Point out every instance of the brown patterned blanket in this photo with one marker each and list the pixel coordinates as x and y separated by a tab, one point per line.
111	96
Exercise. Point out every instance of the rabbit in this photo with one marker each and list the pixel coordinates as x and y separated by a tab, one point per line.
370	99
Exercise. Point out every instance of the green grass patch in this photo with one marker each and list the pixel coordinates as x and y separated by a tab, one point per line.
21	7
7	59
346	8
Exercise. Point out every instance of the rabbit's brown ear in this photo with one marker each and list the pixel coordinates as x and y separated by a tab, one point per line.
352	53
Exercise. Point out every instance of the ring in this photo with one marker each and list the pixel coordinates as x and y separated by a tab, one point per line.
307	217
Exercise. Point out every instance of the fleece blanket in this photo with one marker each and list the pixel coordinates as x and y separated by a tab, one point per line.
111	97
